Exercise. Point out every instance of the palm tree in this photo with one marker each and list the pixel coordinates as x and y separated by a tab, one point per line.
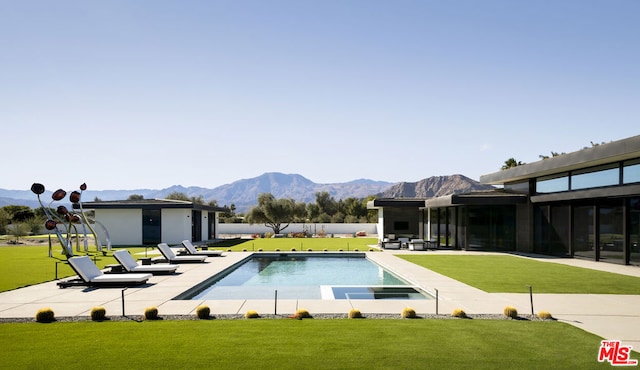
510	163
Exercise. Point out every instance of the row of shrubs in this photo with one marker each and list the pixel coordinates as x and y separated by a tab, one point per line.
204	312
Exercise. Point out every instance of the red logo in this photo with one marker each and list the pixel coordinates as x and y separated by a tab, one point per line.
617	354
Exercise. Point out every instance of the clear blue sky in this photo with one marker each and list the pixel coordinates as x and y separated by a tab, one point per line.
149	94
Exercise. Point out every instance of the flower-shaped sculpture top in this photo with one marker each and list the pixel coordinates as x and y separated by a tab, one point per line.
58	194
37	188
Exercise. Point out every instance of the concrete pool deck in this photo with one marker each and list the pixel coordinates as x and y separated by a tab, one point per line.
608	316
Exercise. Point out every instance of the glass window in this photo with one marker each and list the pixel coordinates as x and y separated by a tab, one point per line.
611	236
631	172
634	231
518	187
583	232
552	184
603	176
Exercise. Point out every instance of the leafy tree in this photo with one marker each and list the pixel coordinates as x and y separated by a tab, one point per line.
4	221
326	203
135	197
35	225
19	213
273	212
511	163
19	230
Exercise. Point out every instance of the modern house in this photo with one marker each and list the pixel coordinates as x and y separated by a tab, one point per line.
582	204
152	221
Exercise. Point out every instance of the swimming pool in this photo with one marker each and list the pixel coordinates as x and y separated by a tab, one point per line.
305	276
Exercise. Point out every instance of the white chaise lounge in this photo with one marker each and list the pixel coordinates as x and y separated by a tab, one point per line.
191	249
171	257
130	265
91	275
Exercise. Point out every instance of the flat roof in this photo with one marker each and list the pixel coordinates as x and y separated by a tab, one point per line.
395	202
488	198
597	155
149	204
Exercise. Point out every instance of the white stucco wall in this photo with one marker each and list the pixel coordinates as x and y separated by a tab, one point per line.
124	226
176	225
241	229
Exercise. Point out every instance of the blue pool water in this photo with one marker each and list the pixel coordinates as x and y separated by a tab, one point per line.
306	277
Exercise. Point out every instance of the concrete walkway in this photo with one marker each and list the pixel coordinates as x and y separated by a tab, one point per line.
609	316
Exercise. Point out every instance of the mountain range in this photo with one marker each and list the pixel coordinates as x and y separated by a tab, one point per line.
244	193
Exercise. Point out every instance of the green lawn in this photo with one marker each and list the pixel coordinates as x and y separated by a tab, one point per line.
509	274
21	266
300	344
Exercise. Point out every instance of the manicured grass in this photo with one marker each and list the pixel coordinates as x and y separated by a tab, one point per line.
509	274
300	344
21	266
303	244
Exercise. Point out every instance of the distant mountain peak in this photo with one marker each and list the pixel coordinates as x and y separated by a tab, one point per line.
435	186
244	193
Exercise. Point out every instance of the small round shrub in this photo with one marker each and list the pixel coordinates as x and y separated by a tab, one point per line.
151	313
544	315
98	313
459	313
203	312
356	250
409	313
259	249
302	314
355	314
325	250
251	314
244	249
309	250
45	315
229	250
511	312
293	249
277	249
340	250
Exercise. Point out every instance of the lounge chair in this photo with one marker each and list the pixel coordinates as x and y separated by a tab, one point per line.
193	251
130	265
171	257
91	275
403	242
416	245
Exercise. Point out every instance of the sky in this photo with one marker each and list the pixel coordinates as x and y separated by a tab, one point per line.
154	93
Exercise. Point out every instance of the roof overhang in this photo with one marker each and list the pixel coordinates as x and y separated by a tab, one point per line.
395	202
491	198
600	154
149	204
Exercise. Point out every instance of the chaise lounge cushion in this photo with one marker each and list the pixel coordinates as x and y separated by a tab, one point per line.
171	257
193	251
89	273
130	265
